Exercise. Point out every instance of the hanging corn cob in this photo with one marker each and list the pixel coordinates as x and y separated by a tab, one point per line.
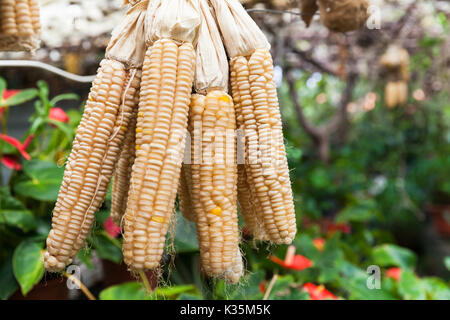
395	62
166	86
257	111
212	172
99	138
19	25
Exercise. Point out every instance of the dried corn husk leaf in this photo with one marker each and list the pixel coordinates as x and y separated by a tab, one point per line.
178	20
127	43
241	35
308	9
212	63
343	15
396	61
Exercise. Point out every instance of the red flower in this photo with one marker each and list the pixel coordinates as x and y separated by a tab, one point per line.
262	287
318	292
319	243
9	93
58	114
11	162
110	227
6	95
345	228
293	261
394	273
17	144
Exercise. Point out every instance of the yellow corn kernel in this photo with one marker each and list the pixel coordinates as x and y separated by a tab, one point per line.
217	211
255	96
91	162
167	77
157	219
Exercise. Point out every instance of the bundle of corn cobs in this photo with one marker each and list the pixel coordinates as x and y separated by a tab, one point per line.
140	117
19	25
336	15
395	62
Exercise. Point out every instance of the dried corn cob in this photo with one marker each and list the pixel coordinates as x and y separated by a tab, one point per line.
168	74
99	140
19	25
122	173
214	180
96	148
255	96
213	169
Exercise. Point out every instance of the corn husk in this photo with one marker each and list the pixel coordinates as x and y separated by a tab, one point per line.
212	64
20	27
396	62
178	20
343	15
241	35
127	44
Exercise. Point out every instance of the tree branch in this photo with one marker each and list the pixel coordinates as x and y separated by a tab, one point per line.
313	62
312	131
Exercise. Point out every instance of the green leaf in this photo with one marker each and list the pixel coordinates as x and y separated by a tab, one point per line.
354	280
28	265
188	296
249	289
7	201
447	263
22	219
68	131
8	284
85	257
411	287
107	248
21	97
125	291
436	288
101	216
185	236
171	292
2	86
362	211
46	178
391	255
43	91
64	96
282	290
